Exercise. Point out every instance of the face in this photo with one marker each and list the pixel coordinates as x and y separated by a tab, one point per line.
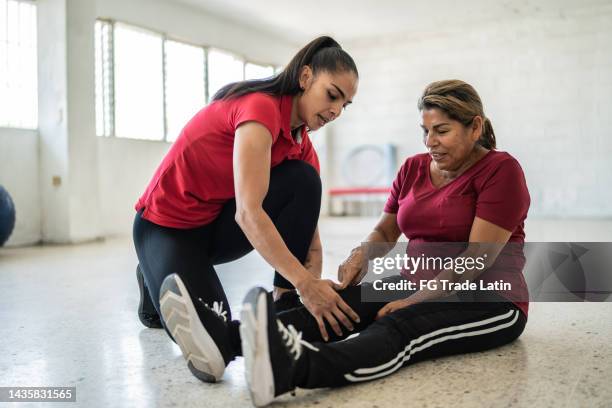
325	96
448	141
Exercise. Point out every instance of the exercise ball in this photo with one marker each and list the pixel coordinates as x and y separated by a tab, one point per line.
7	215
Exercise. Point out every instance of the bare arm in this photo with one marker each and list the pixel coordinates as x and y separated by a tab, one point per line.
386	232
314	259
252	157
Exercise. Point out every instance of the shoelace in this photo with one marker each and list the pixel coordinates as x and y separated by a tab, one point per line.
217	307
292	338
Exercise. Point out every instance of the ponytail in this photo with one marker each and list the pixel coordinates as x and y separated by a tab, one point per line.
323	53
487	139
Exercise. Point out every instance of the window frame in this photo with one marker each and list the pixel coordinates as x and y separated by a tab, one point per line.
34	124
109	108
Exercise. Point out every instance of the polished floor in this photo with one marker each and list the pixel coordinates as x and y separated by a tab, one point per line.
68	318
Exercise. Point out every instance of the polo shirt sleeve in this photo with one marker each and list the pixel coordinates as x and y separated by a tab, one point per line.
392	204
309	154
504	199
260	108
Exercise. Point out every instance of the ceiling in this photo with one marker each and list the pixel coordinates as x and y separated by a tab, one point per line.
356	19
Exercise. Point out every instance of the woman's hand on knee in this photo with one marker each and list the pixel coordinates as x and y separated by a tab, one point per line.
324	303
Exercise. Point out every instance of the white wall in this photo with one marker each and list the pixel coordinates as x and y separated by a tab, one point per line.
19	174
70	206
546	84
125	168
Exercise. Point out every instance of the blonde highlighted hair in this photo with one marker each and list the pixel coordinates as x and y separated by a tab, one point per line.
460	101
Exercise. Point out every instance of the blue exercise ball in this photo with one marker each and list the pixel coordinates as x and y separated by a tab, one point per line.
7	215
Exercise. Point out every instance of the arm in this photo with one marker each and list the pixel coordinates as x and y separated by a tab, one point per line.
485	238
252	155
314	259
386	232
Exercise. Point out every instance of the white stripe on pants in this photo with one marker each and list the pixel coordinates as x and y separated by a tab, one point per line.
412	348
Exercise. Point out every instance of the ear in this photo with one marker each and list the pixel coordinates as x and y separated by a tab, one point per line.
306	77
476	128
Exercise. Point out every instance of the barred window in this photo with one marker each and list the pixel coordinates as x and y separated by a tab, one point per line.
148	86
18	65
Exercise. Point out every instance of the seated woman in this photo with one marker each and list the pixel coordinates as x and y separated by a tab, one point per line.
461	190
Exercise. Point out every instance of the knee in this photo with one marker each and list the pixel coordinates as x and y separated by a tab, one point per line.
310	179
301	177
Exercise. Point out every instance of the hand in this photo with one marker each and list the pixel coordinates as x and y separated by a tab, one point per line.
393	306
351	271
323	302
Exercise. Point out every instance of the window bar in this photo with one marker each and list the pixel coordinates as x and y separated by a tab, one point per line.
206	95
164	91
5	81
110	103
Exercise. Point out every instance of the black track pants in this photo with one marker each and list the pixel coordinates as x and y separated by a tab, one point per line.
473	322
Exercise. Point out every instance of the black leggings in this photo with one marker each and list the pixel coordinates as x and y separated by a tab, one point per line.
293	203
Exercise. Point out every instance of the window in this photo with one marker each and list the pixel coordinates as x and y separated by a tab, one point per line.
104	79
254	71
149	86
18	65
223	68
185	88
139	83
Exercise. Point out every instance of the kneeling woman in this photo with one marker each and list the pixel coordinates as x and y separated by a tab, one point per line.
462	190
242	175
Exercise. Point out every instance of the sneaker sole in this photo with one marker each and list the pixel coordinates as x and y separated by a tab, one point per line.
255	349
182	321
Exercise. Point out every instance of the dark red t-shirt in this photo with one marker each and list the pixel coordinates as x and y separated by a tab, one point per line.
196	176
493	189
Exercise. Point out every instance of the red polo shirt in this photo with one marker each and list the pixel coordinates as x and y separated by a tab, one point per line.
493	189
196	177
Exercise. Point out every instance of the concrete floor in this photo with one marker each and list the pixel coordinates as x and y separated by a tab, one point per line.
68	318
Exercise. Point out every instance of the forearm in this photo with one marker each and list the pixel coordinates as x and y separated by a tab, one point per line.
378	243
314	258
265	238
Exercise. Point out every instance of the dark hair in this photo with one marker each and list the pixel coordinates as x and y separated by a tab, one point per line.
460	101
323	53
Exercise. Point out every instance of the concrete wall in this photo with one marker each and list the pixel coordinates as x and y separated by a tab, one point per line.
546	86
19	174
69	190
125	167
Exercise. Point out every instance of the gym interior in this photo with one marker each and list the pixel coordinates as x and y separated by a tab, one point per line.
93	93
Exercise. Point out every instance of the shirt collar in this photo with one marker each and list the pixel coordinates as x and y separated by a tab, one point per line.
286	105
